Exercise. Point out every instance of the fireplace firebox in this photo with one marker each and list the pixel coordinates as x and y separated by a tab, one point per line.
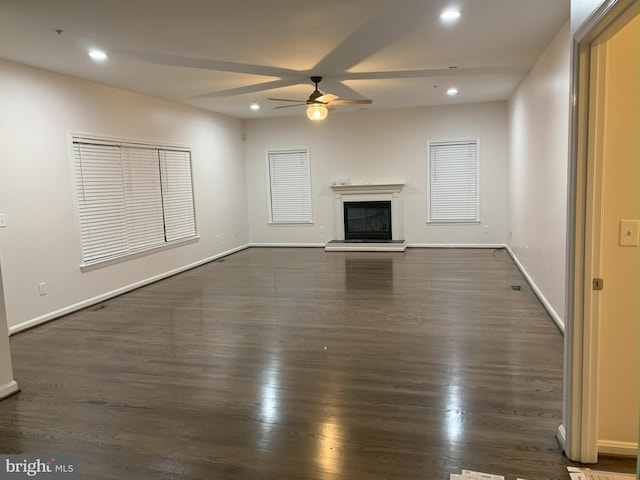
367	220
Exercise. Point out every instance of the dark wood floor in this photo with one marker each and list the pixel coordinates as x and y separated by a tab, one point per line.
300	364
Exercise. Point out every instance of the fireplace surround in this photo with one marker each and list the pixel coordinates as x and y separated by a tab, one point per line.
364	194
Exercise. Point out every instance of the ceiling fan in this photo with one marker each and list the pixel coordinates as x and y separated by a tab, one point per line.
318	103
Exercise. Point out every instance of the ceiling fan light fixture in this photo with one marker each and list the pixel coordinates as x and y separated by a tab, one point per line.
317	112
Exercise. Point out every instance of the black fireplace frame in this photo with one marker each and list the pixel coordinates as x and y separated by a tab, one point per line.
385	235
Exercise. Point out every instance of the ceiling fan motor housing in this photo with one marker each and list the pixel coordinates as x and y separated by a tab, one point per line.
318	100
316	93
314	96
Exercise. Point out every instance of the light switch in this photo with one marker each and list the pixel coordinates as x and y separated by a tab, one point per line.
3	220
628	233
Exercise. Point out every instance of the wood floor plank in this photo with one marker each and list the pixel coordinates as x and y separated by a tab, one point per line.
298	363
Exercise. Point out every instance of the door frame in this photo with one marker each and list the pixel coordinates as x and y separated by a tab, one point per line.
578	434
8	385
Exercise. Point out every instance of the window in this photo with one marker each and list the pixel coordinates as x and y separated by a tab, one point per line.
131	197
289	186
452	179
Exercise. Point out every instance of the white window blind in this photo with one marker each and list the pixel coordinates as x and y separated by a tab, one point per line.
101	201
452	172
177	194
143	198
131	198
289	186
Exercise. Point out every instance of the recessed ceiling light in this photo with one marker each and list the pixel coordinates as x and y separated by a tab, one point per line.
255	107
450	15
98	55
452	91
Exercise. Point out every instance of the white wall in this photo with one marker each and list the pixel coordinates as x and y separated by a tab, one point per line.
39	111
381	147
539	151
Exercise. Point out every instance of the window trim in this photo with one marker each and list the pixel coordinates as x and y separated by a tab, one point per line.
271	221
74	137
453	222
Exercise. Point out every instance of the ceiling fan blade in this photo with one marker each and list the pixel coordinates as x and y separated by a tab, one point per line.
285	100
327	97
287	106
351	102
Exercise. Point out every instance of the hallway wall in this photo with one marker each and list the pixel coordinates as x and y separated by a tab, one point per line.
538	166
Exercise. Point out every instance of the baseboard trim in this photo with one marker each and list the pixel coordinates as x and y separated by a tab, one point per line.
409	245
456	245
9	389
561	437
610	447
34	322
538	293
288	245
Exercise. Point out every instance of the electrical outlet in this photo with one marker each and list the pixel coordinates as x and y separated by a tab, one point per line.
3	220
217	238
486	229
42	288
322	229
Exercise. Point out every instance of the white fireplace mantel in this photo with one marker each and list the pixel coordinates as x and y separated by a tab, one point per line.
368	193
384	188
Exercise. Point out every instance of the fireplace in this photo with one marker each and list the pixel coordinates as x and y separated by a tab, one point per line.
367	220
363	215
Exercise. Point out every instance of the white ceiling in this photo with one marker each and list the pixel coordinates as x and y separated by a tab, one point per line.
223	55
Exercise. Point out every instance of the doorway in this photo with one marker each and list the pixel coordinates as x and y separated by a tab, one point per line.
601	342
8	385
